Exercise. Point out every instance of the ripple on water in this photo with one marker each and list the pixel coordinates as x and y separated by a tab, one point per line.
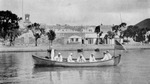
17	68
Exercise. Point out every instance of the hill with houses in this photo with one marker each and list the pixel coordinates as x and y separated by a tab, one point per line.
66	34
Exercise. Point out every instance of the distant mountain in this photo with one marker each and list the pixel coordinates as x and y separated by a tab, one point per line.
144	24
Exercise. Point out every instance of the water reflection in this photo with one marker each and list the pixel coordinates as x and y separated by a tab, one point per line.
14	68
18	68
8	68
78	75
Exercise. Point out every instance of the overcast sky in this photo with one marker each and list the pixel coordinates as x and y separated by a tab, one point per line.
80	12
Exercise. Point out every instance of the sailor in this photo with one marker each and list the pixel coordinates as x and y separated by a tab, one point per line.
69	59
105	57
81	58
92	58
58	57
108	54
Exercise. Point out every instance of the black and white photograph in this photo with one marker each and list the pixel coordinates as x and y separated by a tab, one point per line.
74	41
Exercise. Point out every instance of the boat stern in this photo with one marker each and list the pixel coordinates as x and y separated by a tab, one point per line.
117	59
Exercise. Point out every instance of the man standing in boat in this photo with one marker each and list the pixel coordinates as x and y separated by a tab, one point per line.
92	58
81	58
58	57
69	59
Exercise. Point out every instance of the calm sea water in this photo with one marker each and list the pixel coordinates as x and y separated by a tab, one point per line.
18	68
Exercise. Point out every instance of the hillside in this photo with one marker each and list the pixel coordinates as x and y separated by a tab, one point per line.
144	24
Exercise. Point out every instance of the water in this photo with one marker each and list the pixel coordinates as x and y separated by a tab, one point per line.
18	68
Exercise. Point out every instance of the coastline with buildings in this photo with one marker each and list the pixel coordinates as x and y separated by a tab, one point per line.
74	41
73	47
67	38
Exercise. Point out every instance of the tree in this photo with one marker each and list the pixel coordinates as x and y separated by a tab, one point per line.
126	33
111	35
37	31
51	36
140	36
117	28
105	38
136	33
148	37
123	24
9	27
97	31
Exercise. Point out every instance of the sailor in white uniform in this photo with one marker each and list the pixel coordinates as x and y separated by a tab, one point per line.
69	59
58	57
105	57
108	54
81	58
92	58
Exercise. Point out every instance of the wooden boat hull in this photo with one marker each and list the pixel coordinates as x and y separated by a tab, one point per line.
38	61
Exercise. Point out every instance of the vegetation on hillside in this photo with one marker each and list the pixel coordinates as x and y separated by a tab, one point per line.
51	36
37	31
9	27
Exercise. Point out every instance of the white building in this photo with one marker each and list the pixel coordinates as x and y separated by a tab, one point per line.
90	38
75	39
88	30
26	36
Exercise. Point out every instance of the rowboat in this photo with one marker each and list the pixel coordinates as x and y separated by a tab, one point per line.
115	60
39	61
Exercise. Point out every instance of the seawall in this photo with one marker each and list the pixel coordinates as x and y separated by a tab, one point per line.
68	47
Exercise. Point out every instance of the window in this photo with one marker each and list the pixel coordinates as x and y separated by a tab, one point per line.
90	30
77	39
72	39
90	41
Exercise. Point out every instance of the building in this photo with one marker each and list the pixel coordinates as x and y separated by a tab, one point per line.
90	38
88	29
75	39
66	34
25	38
27	20
106	28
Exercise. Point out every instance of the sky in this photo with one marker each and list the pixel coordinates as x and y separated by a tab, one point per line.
80	12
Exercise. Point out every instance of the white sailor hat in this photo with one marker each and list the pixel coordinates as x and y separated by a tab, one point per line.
104	52
107	50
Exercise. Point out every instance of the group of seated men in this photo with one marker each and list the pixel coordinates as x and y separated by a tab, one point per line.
107	56
81	58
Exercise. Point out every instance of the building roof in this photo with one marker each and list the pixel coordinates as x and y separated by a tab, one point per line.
75	36
94	35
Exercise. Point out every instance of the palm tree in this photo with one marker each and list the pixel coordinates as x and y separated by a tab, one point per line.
123	24
115	28
36	30
51	36
97	31
111	35
118	30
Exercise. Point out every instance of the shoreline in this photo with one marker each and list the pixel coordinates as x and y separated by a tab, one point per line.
68	48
